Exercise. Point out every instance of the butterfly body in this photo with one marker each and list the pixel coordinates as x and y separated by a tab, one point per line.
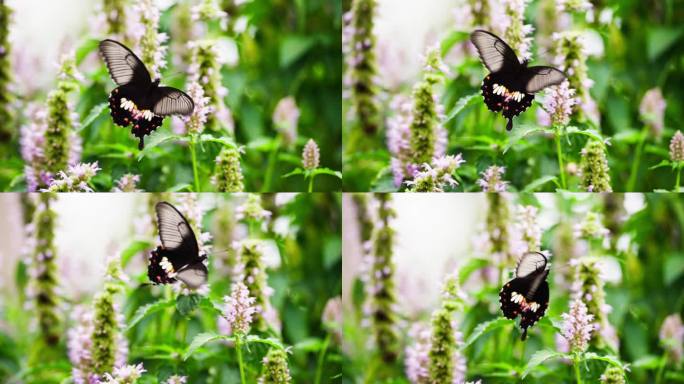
139	102
527	295
178	258
510	86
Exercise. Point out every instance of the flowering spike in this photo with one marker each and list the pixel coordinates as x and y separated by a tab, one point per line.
285	118
492	179
588	288
227	173
359	51
652	110
672	338
239	309
205	69
6	116
253	276
577	326
516	31
594	168
76	179
437	177
115	15
128	183
571	58
677	147
275	369
613	375
559	102
311	156
151	40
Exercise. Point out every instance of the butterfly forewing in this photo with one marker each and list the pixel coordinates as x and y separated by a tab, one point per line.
496	55
175	232
124	66
172	101
530	262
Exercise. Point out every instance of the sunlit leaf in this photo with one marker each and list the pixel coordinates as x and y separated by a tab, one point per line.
95	112
485	328
540	357
149	309
202	339
461	104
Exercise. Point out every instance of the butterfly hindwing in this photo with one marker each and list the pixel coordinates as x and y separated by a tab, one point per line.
495	54
172	101
193	275
123	65
499	96
538	78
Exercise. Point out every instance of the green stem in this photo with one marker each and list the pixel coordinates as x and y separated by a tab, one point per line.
311	179
575	363
238	349
193	153
321	360
559	151
679	174
637	161
270	169
661	369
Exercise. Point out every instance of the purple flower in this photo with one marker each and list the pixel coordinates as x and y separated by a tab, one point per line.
492	180
652	110
528	227
239	308
151	41
127	374
577	326
574	5
285	118
439	175
677	147
196	121
398	139
311	156
417	358
672	337
558	103
79	344
76	179
516	31
127	183
175	379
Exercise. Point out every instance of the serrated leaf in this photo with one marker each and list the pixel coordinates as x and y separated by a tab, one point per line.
461	104
159	139
251	339
520	133
572	130
207	303
94	113
608	359
647	362
309	345
327	171
228	142
186	304
484	328
538	358
202	339
296	172
147	310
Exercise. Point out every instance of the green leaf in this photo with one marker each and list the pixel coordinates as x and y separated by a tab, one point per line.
664	163
486	328
159	139
181	188
384	181
673	268
202	339
309	345
471	266
647	362
520	133
538	358
297	171
461	104
186	304
452	39
95	112
227	141
327	171
207	303
253	339
538	183
660	39
608	359
294	47
133	249
149	309
86	48
572	130
21	276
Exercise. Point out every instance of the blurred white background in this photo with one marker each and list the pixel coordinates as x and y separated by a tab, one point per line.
90	227
42	29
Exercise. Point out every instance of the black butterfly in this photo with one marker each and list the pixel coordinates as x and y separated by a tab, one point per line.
178	258
138	101
511	85
528	294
